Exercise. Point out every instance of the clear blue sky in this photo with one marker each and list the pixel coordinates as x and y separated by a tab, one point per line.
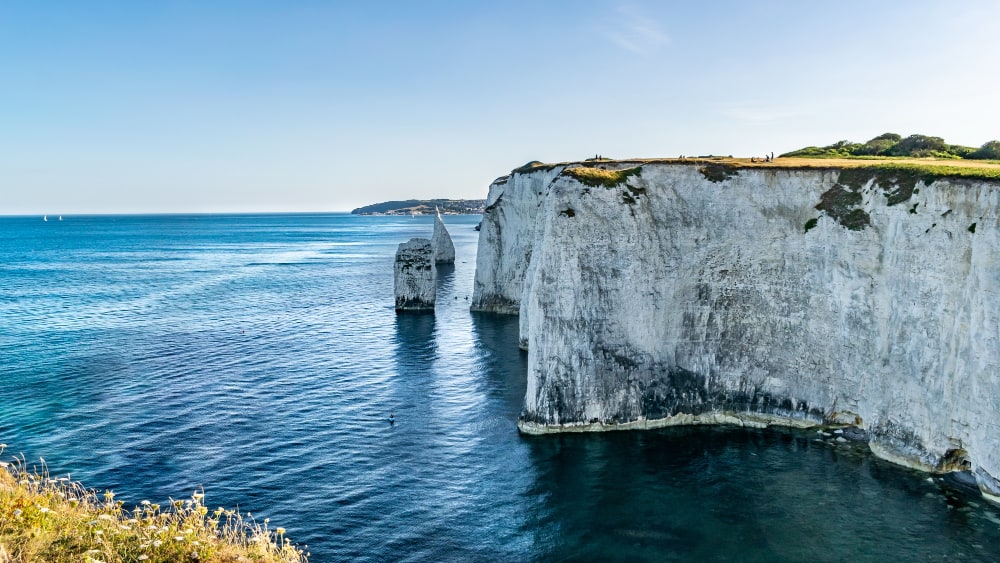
145	106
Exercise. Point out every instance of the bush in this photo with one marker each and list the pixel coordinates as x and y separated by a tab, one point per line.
891	144
989	151
918	145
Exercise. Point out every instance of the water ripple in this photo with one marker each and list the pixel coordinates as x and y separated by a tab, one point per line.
259	357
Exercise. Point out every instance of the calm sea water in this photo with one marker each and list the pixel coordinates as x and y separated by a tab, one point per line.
258	356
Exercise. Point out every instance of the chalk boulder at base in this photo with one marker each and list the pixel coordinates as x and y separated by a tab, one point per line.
415	276
444	249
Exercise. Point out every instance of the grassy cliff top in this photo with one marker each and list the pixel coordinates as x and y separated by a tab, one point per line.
57	520
932	168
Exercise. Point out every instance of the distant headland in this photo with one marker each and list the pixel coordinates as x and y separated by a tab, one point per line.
423	207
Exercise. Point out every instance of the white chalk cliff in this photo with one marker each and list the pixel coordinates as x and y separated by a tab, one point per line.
444	249
698	293
415	279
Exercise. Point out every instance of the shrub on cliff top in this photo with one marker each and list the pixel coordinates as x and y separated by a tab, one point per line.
57	520
889	144
989	151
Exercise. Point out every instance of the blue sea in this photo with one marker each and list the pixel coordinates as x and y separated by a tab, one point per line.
259	357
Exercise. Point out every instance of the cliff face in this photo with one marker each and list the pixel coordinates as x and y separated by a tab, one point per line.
690	294
506	238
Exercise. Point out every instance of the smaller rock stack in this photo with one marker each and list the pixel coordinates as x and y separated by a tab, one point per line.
444	249
415	276
416	270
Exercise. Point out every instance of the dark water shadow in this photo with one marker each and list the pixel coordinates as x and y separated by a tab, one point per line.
415	345
727	493
499	359
445	281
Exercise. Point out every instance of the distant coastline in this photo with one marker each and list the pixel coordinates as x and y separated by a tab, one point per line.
424	207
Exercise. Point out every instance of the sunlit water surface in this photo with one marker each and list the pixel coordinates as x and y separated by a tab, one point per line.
259	357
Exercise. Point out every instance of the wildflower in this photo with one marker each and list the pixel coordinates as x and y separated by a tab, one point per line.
105	517
17	512
199	496
178	538
98	532
157	543
145	503
143	557
280	531
43	509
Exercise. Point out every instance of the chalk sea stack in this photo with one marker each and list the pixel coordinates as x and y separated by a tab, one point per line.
415	276
444	249
655	293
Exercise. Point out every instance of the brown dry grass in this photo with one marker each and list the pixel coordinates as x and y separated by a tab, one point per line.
59	521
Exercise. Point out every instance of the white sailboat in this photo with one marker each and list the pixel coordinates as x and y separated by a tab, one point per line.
45	217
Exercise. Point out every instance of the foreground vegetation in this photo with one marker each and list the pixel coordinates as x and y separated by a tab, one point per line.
893	145
56	520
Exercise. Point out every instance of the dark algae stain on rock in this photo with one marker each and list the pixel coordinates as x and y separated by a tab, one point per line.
811	224
843	201
717	172
898	183
840	202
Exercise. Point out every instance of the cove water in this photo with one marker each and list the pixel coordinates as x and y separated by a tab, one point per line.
259	357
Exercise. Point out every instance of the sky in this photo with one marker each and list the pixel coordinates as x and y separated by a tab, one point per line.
247	106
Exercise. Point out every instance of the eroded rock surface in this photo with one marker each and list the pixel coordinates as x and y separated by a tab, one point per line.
689	295
444	249
415	277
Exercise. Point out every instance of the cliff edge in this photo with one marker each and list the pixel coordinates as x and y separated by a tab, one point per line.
654	293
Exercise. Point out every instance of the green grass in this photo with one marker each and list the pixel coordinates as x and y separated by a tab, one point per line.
533	166
929	172
599	177
56	520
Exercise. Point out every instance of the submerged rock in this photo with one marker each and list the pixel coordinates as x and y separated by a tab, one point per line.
415	276
444	249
